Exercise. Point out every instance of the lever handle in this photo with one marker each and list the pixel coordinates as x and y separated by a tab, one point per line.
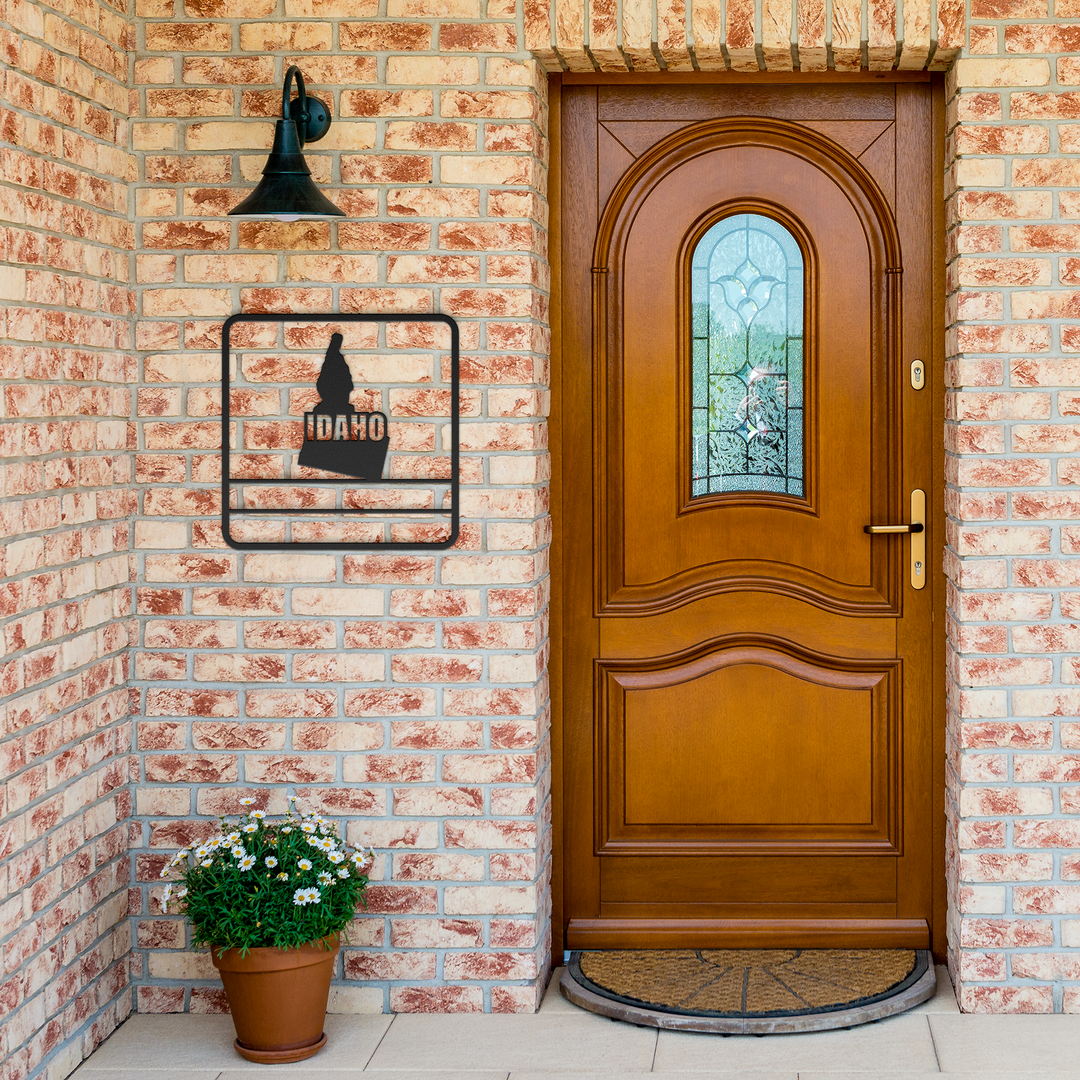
875	530
918	541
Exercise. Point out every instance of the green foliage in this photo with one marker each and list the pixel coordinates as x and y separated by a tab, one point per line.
260	883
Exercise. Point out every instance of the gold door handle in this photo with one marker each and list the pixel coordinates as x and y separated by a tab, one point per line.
917	529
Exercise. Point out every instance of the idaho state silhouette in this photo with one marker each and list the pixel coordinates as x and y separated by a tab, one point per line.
337	438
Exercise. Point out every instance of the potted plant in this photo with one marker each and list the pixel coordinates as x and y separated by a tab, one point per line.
271	899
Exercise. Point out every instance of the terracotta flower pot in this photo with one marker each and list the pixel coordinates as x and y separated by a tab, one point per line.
278	999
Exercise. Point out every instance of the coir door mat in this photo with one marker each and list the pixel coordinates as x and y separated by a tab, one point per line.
750	990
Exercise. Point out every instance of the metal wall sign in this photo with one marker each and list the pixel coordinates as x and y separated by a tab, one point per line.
340	432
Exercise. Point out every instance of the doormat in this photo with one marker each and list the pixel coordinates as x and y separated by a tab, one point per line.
749	991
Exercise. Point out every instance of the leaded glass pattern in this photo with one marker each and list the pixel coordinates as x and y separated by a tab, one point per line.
748	375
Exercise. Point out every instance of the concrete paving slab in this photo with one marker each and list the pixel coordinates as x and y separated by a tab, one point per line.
147	1073
553	1001
877	1075
900	1044
206	1043
721	1075
831	1074
357	1074
944	999
554	1044
982	1044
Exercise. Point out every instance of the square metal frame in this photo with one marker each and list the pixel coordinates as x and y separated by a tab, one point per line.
453	512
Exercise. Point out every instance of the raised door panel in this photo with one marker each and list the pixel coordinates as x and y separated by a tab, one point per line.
662	547
768	747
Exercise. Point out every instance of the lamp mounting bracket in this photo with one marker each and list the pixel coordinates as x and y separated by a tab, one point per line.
318	118
310	115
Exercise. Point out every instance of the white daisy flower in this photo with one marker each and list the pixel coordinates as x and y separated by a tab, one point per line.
238	851
306	896
336	857
304	864
270	861
165	897
283	876
247	862
343	872
207	862
201	851
258	815
308	827
325	843
325	879
232	837
251	826
287	829
181	893
247	802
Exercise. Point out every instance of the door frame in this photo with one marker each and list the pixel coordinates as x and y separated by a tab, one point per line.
936	500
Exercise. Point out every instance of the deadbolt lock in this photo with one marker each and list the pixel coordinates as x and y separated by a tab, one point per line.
918	374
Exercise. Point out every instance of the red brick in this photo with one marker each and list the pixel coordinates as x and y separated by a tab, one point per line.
170	702
350	801
385	37
191	768
242	735
436	734
386	965
436	933
291	703
188	37
386	702
389	768
515	999
1005	933
502	965
436	999
401	900
282	769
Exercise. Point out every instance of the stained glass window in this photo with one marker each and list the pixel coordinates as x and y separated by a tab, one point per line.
747	297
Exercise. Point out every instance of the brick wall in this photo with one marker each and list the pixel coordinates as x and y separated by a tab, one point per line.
406	695
403	694
65	473
1012	433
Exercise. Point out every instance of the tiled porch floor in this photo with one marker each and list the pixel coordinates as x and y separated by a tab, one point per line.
931	1040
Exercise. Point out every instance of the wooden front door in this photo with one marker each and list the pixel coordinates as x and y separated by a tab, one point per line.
749	677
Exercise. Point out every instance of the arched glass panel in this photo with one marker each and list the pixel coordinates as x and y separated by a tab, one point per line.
747	319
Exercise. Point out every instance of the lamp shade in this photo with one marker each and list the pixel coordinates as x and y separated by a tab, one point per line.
286	190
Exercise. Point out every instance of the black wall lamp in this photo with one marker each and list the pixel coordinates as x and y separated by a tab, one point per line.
286	191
